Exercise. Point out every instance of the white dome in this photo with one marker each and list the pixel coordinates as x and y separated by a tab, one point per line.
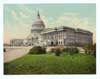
38	24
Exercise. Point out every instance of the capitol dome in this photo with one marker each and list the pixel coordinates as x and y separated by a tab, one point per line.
38	25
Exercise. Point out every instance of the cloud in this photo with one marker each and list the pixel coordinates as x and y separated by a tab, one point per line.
70	19
14	14
45	20
73	20
23	15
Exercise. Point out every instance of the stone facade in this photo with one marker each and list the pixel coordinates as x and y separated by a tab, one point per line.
67	37
62	36
16	42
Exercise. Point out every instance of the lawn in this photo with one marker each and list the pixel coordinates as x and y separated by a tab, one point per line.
51	64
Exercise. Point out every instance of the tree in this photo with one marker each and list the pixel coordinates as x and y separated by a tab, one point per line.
37	50
94	49
90	49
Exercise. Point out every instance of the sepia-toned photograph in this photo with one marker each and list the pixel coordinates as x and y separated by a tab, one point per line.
49	39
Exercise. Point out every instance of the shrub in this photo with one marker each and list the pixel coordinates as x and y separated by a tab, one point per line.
75	50
71	51
94	49
90	49
37	50
57	51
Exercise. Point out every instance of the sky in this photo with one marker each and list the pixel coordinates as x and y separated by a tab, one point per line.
18	18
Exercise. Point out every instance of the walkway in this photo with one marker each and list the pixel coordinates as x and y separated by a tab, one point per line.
15	52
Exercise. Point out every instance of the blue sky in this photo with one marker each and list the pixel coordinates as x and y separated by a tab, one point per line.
18	18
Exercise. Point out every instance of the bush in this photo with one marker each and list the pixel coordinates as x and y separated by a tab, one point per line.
57	51
90	49
37	50
71	51
94	49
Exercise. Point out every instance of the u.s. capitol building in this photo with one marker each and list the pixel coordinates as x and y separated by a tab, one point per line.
59	36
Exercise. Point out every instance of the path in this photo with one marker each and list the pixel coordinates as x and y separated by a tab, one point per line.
15	52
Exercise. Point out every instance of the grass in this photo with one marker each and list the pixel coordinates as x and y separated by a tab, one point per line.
50	64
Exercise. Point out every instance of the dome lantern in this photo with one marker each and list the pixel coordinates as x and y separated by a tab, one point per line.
38	15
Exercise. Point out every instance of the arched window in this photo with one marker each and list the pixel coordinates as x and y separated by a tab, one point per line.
59	42
52	43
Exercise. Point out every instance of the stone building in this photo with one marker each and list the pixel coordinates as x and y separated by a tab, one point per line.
66	36
37	28
16	42
59	36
